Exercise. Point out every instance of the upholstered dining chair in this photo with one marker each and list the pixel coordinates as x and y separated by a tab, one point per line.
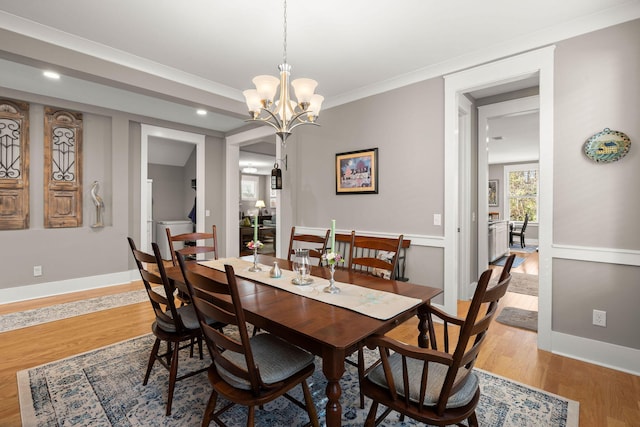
431	386
375	255
249	371
178	327
317	245
519	231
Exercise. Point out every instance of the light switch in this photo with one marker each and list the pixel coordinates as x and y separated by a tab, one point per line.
437	219
207	212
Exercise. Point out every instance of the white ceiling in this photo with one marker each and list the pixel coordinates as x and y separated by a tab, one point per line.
172	57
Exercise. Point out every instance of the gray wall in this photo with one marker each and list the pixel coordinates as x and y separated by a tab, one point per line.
597	85
406	125
111	155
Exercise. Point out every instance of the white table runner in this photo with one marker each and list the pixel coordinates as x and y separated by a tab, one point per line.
373	303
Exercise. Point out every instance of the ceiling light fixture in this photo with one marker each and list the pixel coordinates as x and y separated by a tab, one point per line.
283	115
51	75
249	169
201	112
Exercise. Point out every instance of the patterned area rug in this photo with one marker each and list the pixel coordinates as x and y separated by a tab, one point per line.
104	388
527	249
37	316
518	317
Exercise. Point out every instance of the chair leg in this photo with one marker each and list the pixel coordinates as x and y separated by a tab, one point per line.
473	420
173	373
152	359
311	407
361	373
251	416
371	417
522	240
210	409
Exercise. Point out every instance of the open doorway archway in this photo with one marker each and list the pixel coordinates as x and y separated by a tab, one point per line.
510	69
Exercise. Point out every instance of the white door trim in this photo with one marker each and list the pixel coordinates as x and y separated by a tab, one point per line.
510	69
193	138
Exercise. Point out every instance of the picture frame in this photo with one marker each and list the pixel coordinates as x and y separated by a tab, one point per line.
249	187
493	192
357	172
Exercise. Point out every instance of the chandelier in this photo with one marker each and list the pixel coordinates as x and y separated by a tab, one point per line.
283	114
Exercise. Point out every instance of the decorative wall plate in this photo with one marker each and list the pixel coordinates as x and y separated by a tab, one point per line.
607	146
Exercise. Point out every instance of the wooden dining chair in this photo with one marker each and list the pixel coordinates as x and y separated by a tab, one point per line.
249	371
519	231
317	245
190	247
434	387
375	255
177	326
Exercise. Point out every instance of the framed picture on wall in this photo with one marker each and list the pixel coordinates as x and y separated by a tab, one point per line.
357	172
493	192
249	187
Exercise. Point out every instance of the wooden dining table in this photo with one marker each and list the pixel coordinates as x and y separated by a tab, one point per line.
327	331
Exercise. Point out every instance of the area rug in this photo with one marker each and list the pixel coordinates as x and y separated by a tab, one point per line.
521	283
104	388
527	249
518	317
37	316
516	262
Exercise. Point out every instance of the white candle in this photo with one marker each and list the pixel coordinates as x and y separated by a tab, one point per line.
333	235
255	229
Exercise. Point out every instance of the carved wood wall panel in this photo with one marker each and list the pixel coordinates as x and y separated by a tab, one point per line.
14	165
62	168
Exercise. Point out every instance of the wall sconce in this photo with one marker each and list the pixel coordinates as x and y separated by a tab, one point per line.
276	177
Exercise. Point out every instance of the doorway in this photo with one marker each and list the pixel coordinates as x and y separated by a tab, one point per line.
147	133
538	62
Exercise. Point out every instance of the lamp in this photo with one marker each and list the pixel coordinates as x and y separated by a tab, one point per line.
283	115
276	177
260	204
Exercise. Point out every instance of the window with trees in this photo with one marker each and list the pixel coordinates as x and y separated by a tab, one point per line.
522	191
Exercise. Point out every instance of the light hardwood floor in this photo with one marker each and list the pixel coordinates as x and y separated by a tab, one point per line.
607	397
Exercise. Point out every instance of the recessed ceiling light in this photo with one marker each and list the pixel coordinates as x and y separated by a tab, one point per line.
51	75
201	112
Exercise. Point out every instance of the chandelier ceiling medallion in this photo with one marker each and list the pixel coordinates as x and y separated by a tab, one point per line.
283	114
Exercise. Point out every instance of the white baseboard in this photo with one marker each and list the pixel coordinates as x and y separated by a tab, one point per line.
600	353
41	290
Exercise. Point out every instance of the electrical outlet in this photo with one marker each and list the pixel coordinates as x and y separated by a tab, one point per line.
37	270
437	219
600	318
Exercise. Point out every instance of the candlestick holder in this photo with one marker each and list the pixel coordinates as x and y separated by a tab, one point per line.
332	288
255	266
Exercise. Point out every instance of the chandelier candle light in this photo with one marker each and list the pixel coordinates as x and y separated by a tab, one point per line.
283	115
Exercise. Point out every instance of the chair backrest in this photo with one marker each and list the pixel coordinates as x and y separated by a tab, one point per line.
317	245
473	330
208	296
189	249
152	271
524	224
375	255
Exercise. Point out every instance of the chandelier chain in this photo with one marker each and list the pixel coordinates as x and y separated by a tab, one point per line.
284	55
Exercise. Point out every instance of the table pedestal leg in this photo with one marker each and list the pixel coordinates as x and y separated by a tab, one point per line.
333	368
424	327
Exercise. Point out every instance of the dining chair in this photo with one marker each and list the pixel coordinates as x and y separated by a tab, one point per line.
173	325
375	255
434	387
249	371
317	245
190	249
519	231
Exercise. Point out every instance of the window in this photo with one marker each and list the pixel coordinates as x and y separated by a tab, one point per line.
522	191
249	187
